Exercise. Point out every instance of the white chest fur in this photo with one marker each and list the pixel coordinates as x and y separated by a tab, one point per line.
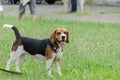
59	53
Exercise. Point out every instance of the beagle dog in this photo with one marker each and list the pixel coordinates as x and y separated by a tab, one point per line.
49	50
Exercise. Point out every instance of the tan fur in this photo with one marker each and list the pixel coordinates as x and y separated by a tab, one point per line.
52	37
16	44
49	52
58	59
55	36
67	37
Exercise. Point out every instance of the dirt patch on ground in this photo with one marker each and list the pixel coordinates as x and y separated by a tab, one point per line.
91	13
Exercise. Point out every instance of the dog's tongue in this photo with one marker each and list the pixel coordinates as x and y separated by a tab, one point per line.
62	44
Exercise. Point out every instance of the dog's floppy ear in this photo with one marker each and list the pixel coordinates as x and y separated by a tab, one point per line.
67	40
52	37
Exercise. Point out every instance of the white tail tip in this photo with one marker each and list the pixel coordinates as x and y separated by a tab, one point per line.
7	26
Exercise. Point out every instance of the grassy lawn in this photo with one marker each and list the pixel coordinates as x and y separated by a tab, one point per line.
92	54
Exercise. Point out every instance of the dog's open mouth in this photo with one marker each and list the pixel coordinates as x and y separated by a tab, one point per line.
62	43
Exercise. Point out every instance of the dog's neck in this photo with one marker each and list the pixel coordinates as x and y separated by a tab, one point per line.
58	44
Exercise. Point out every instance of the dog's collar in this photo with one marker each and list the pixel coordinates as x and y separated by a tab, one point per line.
54	46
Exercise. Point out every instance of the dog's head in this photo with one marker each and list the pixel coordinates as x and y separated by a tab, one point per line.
60	35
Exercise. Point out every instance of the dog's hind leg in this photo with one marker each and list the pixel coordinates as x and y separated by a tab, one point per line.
13	57
18	61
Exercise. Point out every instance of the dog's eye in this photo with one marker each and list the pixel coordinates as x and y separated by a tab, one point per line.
58	33
65	32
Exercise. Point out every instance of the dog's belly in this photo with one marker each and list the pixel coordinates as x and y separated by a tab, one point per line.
38	56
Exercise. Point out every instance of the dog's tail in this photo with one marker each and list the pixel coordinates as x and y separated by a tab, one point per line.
16	32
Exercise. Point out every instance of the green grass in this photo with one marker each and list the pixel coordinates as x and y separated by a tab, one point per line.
92	54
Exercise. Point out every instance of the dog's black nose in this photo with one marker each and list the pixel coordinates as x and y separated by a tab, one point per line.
63	37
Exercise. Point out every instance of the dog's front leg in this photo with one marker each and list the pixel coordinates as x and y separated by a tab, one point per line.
50	57
57	62
49	63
